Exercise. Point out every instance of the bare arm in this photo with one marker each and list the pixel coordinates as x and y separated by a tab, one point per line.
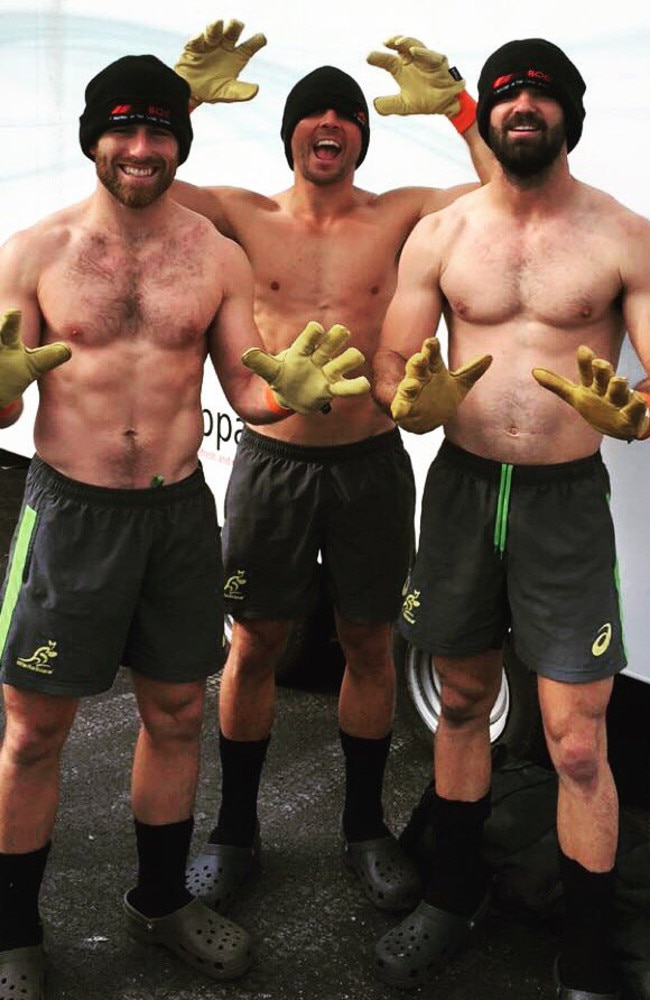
18	292
233	332
414	312
635	274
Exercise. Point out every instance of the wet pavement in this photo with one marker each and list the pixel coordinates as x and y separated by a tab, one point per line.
314	930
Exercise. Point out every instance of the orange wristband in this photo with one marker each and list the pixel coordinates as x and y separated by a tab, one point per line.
646	395
10	408
271	401
466	116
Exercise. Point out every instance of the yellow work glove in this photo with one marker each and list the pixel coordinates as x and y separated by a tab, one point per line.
601	397
212	62
429	394
20	365
310	373
427	85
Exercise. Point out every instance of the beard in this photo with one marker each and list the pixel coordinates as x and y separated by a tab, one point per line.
530	157
134	196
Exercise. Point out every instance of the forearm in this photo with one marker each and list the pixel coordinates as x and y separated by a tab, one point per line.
482	156
388	371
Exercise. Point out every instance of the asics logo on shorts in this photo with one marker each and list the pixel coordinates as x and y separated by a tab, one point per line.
602	641
234	586
39	661
410	605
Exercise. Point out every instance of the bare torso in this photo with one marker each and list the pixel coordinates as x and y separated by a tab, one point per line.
528	290
126	407
338	265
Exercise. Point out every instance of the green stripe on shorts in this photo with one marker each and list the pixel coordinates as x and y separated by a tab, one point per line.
18	560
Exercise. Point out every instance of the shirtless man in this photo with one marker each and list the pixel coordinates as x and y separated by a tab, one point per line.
342	486
116	557
516	531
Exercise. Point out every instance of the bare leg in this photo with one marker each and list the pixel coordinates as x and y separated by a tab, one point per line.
587	816
247	695
367	697
36	729
167	753
462	756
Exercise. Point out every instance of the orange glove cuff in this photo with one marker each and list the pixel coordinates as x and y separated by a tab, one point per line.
6	411
467	114
271	401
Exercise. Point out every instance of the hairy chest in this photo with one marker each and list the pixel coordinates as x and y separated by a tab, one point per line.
557	277
103	291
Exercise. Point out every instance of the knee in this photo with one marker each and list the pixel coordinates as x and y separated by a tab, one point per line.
464	703
367	648
256	647
576	756
178	720
30	744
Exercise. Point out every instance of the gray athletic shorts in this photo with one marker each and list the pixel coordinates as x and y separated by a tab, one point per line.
98	578
526	548
285	503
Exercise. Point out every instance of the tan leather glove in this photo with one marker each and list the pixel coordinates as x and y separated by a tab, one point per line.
429	395
427	86
601	397
20	365
310	373
212	62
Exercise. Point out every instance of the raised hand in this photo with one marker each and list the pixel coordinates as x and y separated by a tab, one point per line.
212	61
429	394
310	373
601	397
427	85
20	365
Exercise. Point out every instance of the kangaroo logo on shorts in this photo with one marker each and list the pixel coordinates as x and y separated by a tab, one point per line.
602	641
411	603
234	586
39	661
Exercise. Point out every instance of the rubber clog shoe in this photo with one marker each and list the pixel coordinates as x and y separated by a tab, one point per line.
217	874
422	944
201	938
388	877
22	973
568	993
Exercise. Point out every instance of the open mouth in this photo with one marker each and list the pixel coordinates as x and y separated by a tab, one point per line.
327	149
132	171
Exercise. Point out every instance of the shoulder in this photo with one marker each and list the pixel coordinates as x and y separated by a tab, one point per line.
49	236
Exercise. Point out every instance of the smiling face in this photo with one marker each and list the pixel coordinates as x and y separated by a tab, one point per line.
136	163
326	146
527	131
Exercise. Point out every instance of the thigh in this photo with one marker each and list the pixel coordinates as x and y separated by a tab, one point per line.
177	630
271	537
562	581
456	601
369	541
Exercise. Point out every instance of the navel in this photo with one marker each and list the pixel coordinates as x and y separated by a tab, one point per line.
275	285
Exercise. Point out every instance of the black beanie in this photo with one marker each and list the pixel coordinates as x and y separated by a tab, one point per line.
325	87
532	62
137	90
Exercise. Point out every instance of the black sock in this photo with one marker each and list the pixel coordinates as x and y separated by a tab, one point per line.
241	769
458	880
365	762
162	860
586	956
21	876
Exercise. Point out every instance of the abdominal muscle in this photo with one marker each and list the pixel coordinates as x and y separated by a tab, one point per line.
119	430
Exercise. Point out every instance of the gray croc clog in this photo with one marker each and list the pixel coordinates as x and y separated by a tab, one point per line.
201	938
410	954
22	973
388	877
217	874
